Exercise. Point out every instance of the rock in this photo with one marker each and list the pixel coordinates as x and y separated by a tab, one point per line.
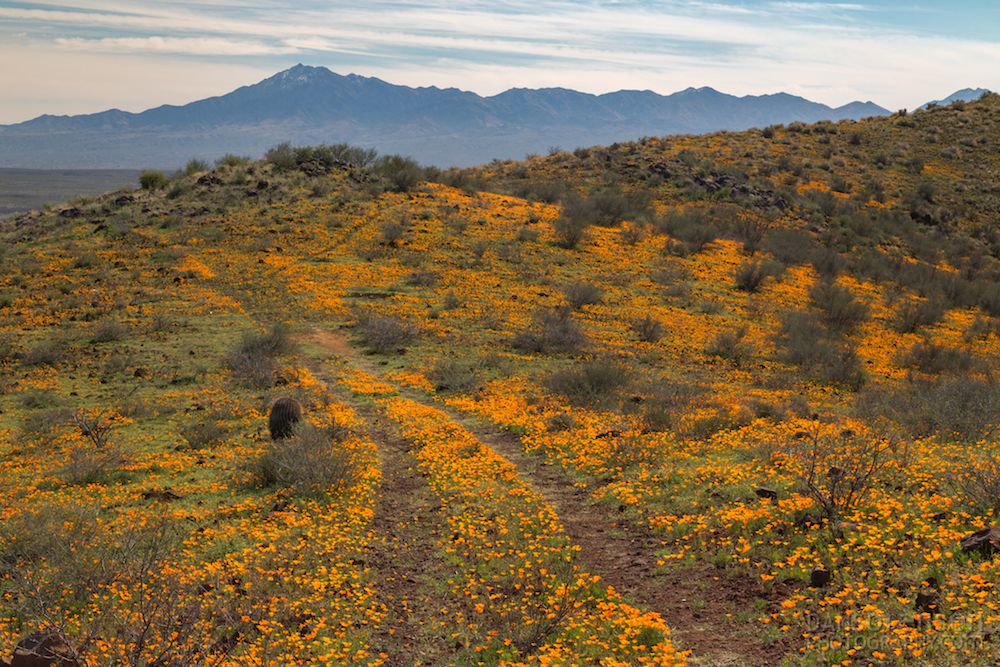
161	494
769	494
44	649
819	578
985	542
72	212
927	602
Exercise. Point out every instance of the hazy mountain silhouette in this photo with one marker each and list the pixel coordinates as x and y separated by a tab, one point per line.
437	126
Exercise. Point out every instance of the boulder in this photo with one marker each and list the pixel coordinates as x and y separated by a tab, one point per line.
44	649
985	542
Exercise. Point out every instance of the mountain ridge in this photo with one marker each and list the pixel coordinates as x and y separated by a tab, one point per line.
442	126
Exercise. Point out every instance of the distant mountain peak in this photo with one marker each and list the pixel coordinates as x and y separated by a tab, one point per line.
964	95
307	104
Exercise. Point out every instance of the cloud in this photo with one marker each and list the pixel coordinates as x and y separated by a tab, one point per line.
205	46
820	49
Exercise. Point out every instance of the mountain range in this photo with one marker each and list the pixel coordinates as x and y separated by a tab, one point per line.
444	127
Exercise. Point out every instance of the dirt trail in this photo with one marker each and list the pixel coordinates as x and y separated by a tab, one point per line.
403	551
701	604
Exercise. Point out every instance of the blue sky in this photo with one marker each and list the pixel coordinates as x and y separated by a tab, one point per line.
75	56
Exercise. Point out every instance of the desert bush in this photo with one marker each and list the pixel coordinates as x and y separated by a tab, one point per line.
203	433
730	344
195	166
571	226
913	314
95	456
611	205
312	461
450	375
838	308
978	482
837	470
42	425
48	352
929	357
750	275
580	294
789	246
953	407
828	262
693	228
253	361
648	329
552	330
392	231
152	180
804	341
751	231
665	401
385	333
107	331
401	174
590	382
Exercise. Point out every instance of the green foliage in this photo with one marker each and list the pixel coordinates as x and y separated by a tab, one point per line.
152	180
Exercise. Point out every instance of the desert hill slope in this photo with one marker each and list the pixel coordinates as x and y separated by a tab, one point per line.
711	400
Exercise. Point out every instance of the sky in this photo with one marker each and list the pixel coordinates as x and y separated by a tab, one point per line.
81	56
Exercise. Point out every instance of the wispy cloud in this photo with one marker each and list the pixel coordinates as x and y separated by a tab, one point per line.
203	46
832	51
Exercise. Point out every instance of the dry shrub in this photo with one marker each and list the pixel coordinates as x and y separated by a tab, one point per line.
914	314
450	375
979	482
385	333
312	461
552	330
837	468
108	331
648	329
935	359
253	361
580	294
730	344
590	382
203	433
956	407
95	457
839	310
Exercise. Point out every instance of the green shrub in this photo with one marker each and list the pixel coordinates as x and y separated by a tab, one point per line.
952	407
152	180
108	331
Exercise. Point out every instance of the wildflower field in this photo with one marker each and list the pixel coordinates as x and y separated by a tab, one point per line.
719	400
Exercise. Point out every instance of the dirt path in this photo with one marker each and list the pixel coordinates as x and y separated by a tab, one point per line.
403	552
710	612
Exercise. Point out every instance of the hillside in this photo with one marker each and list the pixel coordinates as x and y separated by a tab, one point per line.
310	105
718	400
